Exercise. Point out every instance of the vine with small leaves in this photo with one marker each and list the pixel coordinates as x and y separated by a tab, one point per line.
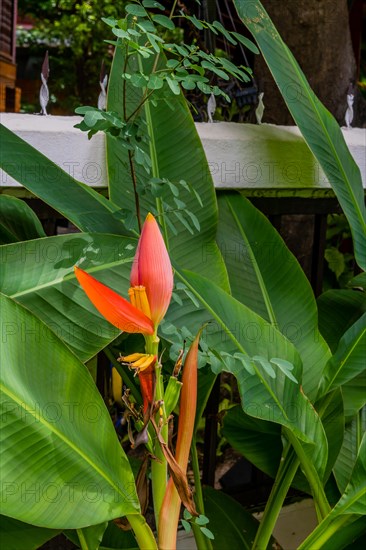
171	67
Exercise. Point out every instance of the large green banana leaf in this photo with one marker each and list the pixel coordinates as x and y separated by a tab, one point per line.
348	534
348	453
80	204
18	221
267	278
253	438
276	399
15	534
62	465
39	275
353	500
338	311
349	359
233	526
177	154
354	395
318	127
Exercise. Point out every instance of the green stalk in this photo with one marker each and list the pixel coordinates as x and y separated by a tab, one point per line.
203	543
142	531
315	483
82	541
173	9
198	496
285	474
159	469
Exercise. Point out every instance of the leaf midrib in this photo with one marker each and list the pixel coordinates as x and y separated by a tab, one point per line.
343	362
236	342
70	277
266	298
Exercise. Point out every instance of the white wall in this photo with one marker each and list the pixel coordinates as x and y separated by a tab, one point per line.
256	158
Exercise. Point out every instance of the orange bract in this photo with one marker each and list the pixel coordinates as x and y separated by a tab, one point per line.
114	307
151	286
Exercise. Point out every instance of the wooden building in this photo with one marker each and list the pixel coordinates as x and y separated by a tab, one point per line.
9	93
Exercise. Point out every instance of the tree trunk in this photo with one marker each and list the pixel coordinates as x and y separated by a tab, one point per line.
317	32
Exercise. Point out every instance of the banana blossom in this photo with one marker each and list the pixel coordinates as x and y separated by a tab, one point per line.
150	294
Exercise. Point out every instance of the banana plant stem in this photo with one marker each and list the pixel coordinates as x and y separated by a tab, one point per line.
82	541
203	543
285	474
198	496
159	470
144	535
312	477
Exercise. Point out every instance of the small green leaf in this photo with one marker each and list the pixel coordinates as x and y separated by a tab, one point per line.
246	362
139	80
223	31
190	294
154	39
186	525
174	189
202	520
133	32
266	365
164	21
209	66
84	109
172	63
212	28
188	84
135	9
181	205
173	85
152	4
155	82
186	514
110	21
286	367
204	87
180	49
177	298
196	22
209	534
92	117
194	219
246	42
120	33
146	26
182	220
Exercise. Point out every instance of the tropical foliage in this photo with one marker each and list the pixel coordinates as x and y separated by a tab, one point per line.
239	298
